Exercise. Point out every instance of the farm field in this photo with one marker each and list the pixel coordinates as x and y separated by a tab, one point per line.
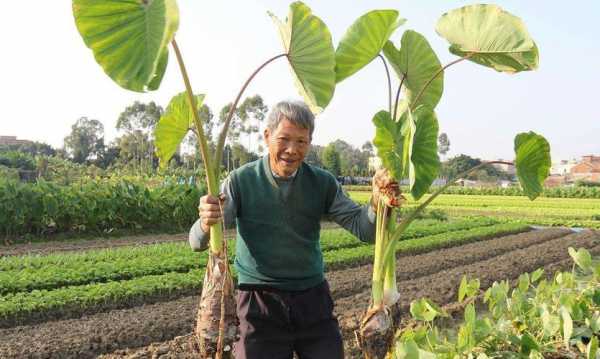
133	300
571	212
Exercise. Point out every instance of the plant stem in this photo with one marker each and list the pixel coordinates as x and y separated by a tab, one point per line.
216	231
223	133
436	75
390	249
398	97
378	273
389	81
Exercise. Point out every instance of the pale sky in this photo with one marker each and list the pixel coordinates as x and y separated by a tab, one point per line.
49	78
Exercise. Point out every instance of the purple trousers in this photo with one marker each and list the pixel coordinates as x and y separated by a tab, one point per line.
275	323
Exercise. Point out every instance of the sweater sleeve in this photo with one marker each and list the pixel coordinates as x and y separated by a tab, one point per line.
199	239
359	220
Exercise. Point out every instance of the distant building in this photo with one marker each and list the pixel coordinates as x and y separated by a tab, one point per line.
508	168
555	181
588	169
562	168
12	140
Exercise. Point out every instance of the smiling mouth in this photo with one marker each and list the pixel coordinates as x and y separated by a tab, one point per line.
287	161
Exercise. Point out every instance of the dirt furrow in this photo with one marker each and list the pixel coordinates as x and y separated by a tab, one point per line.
353	280
134	327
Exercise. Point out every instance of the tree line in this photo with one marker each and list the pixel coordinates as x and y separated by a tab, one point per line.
133	150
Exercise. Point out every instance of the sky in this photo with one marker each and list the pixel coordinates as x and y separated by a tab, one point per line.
49	79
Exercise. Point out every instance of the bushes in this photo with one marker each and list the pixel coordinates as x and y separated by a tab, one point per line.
95	206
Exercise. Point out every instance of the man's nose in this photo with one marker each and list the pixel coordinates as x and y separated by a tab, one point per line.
292	147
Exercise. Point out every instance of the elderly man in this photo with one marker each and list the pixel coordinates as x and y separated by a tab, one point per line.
283	301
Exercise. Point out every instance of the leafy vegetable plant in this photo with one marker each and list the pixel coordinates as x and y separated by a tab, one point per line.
406	133
538	318
130	40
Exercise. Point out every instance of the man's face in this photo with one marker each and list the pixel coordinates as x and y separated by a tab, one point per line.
288	145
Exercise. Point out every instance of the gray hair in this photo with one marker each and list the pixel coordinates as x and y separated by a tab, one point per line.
295	111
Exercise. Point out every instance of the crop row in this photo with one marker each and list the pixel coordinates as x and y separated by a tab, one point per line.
558	192
28	273
364	254
94	206
565	209
16	306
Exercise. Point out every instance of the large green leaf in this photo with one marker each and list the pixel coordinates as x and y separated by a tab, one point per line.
173	125
496	38
129	38
408	147
417	63
532	162
393	140
364	40
310	52
425	163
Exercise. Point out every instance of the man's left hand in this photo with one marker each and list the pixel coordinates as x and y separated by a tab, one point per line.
385	185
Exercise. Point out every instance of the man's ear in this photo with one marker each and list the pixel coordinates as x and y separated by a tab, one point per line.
267	135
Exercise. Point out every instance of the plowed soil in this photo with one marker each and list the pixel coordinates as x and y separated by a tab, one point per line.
148	331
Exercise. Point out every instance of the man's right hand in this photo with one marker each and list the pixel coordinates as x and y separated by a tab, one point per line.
210	211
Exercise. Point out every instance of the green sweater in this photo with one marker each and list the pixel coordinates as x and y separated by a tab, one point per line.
278	233
278	223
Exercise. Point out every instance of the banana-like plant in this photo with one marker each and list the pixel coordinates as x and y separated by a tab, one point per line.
130	40
406	133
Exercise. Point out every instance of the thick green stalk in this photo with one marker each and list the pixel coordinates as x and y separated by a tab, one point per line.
390	249
390	288
389	82
380	245
212	182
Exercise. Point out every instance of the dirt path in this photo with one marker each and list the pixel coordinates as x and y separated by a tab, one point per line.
435	275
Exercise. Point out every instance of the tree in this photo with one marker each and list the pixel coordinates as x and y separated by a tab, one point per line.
110	155
86	140
443	144
353	162
252	112
246	120
331	160
137	122
314	155
139	116
367	147
462	163
458	164
32	148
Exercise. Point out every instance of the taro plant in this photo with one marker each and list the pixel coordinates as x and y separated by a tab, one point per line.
407	131
537	317
130	40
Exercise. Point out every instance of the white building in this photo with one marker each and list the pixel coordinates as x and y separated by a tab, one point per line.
563	167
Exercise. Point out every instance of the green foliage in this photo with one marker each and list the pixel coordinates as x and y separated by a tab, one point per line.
364	40
491	36
174	125
18	160
86	140
537	318
416	63
408	147
95	206
129	38
331	160
307	42
532	162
